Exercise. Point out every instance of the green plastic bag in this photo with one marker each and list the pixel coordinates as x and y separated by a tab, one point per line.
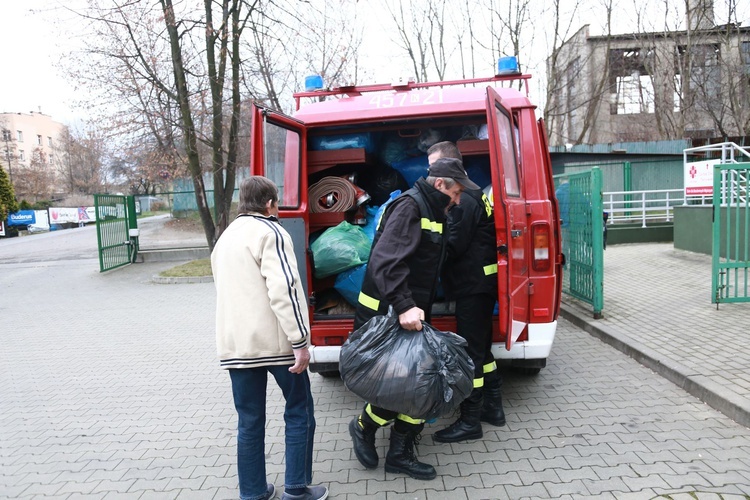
339	248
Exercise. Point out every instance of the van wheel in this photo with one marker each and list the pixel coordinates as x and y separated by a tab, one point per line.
333	374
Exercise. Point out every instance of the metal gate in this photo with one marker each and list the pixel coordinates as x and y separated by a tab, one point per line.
731	233
579	197
116	230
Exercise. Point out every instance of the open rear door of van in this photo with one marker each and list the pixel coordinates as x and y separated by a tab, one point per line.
557	254
278	151
511	221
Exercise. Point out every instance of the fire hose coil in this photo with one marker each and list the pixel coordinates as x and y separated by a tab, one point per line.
335	194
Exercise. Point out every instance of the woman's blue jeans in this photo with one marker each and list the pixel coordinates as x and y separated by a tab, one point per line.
249	391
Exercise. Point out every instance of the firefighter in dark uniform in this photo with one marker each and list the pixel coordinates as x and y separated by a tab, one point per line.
470	278
403	271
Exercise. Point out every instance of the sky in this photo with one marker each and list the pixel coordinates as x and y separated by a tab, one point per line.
32	49
36	35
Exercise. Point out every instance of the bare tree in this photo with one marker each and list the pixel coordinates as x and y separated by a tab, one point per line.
514	23
35	181
290	41
191	100
79	157
422	34
183	74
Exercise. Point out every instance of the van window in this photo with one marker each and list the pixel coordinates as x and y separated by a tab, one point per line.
282	162
508	152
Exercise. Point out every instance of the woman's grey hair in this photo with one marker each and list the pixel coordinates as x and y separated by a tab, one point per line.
448	181
255	192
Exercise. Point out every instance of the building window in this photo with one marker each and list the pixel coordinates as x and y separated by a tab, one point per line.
6	135
51	159
630	82
49	141
634	94
700	84
19	135
38	140
21	155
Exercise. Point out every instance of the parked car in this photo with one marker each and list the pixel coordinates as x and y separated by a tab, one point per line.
37	228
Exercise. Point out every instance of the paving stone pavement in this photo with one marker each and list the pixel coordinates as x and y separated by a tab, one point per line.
657	308
110	388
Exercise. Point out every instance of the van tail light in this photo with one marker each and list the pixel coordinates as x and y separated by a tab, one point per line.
542	251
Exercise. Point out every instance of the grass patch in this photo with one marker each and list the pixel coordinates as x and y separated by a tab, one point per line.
192	269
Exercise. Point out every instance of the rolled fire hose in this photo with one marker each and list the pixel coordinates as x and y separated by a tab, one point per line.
335	194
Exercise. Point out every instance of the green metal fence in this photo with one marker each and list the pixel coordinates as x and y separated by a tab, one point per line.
115	217
731	233
580	199
635	175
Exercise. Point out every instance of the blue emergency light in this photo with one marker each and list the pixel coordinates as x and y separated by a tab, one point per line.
313	82
507	65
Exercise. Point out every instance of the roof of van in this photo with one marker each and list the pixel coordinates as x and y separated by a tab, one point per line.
412	103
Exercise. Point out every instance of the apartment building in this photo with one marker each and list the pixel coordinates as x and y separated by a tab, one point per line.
25	134
31	146
657	86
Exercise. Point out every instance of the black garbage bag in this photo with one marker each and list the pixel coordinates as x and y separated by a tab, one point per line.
381	182
424	374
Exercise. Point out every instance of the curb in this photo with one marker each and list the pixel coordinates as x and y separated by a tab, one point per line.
732	405
174	280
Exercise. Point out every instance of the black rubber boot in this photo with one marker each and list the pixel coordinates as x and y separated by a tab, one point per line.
362	430
492	409
468	425
401	458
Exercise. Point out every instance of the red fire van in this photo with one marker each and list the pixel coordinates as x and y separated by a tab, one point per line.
375	137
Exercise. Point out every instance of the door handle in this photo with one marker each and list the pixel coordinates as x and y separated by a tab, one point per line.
515	233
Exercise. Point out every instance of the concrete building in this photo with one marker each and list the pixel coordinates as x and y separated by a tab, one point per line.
670	85
30	141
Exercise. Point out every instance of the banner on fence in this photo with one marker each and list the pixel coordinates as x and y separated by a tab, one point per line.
62	215
699	177
22	218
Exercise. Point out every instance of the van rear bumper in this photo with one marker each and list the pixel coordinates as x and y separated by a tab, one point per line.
539	345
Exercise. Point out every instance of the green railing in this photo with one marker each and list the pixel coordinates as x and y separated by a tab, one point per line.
731	233
579	196
115	217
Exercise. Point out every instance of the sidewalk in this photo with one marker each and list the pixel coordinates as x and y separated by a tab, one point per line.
658	310
110	389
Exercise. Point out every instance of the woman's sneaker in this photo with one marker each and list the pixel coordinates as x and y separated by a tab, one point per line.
312	493
270	491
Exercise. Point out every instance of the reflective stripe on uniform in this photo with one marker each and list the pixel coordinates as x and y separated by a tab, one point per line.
487	205
491	269
489	367
430	225
380	421
369	302
409	420
478	382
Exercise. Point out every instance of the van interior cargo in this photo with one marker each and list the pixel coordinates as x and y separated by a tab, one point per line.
377	161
